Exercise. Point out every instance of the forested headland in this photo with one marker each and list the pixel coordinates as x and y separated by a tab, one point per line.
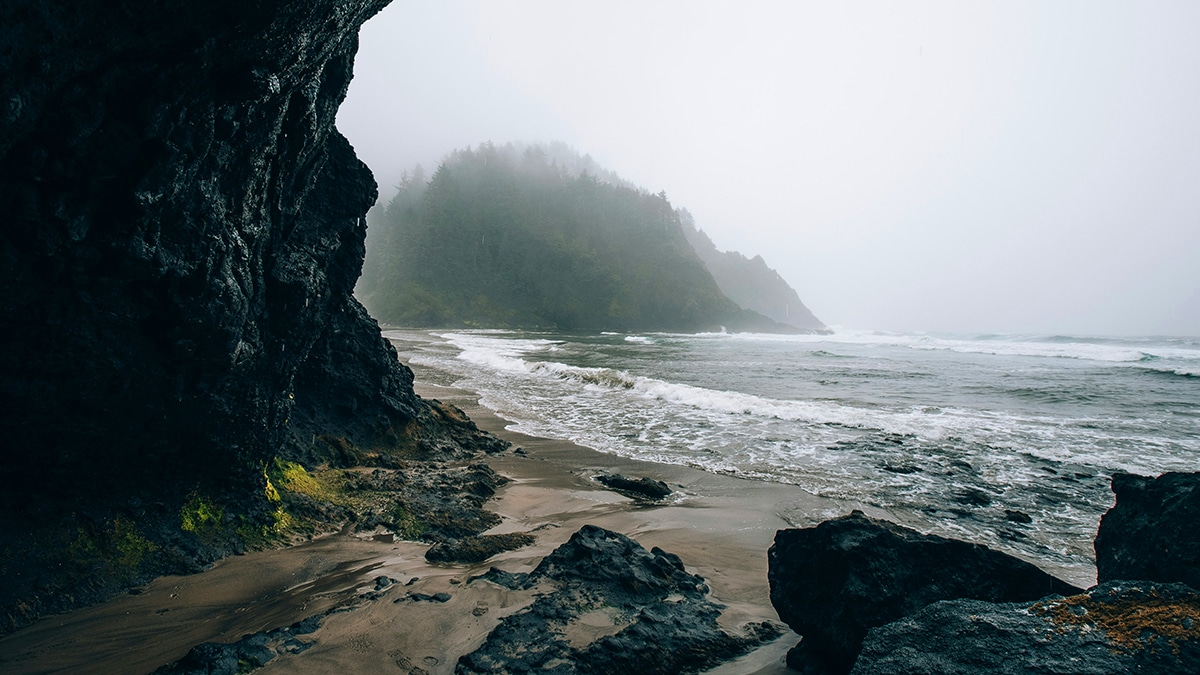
539	237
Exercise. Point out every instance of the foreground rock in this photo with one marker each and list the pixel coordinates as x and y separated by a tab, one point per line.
610	607
834	582
1117	627
1153	532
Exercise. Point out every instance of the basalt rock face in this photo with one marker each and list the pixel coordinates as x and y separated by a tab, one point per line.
1151	533
184	227
182	230
834	582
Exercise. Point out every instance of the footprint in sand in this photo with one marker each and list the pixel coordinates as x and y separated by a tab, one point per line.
400	659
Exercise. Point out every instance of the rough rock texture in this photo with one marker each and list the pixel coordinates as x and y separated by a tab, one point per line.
183	227
834	582
1118	627
614	608
426	501
1152	533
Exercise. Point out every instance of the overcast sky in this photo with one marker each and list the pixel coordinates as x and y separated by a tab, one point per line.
1029	167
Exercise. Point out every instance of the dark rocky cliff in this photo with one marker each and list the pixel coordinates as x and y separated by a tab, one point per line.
182	230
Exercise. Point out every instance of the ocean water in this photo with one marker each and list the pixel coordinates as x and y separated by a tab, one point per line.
960	435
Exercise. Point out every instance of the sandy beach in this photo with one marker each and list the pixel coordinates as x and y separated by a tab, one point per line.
720	526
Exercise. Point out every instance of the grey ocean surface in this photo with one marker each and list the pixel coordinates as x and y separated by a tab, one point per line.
964	436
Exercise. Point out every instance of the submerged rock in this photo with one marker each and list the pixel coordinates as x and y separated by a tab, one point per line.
1153	531
1117	627
614	608
476	549
638	488
834	582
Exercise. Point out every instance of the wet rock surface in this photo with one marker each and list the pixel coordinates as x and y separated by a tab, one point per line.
434	501
834	582
246	655
610	606
1152	532
1117	627
637	488
476	549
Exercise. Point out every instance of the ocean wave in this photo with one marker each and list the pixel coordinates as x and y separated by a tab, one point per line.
501	354
904	429
1109	350
822	413
518	357
1188	372
1048	395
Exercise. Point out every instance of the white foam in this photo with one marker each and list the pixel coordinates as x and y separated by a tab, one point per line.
1115	350
834	446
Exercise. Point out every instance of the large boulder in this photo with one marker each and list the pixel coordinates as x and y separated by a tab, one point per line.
1118	627
1153	531
834	582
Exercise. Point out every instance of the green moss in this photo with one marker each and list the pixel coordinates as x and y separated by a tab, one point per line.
132	548
201	516
405	524
293	477
116	546
271	493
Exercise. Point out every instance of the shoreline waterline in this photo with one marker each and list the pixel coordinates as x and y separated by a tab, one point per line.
720	526
1013	452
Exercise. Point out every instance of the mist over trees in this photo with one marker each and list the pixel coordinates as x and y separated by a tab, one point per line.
749	281
538	237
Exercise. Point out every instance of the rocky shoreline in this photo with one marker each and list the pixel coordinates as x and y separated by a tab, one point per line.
187	378
570	596
395	521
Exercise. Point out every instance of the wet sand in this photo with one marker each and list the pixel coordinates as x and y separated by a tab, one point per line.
720	526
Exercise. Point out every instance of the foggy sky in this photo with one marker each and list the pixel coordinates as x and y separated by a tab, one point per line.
1029	167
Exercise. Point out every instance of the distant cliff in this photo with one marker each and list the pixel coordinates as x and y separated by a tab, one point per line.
512	237
749	282
183	227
